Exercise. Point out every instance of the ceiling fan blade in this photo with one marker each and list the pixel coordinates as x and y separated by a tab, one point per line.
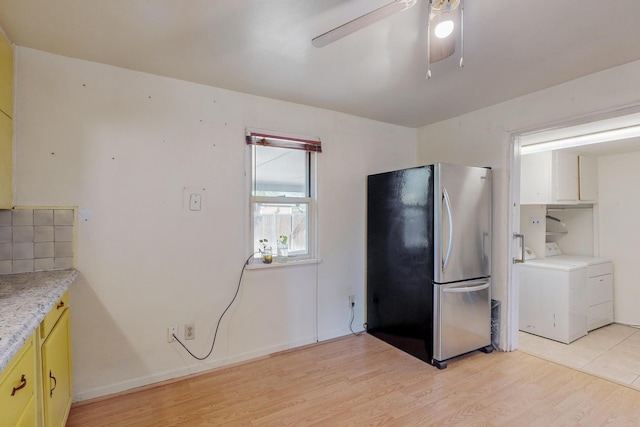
361	22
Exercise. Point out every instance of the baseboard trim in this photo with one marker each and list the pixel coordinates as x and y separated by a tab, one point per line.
167	377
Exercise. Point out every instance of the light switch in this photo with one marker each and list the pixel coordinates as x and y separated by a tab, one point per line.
195	202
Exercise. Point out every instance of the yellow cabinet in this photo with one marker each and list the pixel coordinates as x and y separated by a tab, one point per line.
51	319
6	161
36	386
6	76
17	388
28	418
56	371
6	128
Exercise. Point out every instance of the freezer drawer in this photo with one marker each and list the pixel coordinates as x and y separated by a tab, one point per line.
462	318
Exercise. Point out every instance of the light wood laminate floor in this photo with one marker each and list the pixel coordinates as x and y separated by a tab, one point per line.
361	381
612	352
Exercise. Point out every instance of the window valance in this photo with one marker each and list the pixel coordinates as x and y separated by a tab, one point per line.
313	145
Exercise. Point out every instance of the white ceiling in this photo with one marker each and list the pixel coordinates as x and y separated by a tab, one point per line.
264	47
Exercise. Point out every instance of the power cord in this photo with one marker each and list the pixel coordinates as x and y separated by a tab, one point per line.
351	322
244	266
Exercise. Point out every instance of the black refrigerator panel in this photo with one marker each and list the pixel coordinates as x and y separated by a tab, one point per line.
400	259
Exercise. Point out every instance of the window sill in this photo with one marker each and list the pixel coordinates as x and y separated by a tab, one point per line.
258	265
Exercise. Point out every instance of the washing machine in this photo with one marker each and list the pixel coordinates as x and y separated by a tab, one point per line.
553	299
599	284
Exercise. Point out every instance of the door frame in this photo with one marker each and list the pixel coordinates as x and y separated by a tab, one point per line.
513	140
513	282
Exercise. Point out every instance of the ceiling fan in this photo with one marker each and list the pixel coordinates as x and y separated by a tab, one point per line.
444	17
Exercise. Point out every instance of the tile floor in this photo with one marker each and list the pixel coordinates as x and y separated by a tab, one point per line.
611	352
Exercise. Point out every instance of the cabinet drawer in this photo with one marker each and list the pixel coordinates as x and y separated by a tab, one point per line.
49	322
600	289
17	385
600	315
600	269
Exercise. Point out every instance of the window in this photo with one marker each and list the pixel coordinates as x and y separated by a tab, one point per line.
282	192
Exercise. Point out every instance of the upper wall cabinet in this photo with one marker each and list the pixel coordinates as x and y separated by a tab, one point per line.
6	124
558	177
588	170
6	159
550	177
6	76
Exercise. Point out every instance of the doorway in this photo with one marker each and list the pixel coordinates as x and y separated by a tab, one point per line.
612	154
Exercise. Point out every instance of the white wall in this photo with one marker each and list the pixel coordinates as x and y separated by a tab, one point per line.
580	236
121	145
534	234
481	138
619	210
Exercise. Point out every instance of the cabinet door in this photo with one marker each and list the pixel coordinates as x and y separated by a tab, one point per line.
17	388
6	159
588	178
566	176
549	177
535	179
6	76
56	373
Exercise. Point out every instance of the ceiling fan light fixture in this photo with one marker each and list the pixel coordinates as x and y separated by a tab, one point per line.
443	29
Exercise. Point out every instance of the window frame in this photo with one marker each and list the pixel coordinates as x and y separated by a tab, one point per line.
312	214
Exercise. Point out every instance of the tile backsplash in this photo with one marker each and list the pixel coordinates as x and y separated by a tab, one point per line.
36	240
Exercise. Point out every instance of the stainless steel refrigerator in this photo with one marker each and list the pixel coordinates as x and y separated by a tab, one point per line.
429	260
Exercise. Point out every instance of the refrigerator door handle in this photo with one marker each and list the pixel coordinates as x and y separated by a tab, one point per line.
447	205
467	288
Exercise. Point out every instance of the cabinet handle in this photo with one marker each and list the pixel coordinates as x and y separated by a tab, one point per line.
521	260
55	383
23	384
60	305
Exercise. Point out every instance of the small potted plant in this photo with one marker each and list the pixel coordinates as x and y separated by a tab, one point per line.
283	248
265	251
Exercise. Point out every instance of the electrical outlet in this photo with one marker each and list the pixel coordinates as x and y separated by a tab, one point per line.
535	221
352	300
190	331
171	331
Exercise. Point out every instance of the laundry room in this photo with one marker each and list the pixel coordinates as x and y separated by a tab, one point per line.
578	283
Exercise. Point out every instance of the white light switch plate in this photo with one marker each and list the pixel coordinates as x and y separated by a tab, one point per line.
195	202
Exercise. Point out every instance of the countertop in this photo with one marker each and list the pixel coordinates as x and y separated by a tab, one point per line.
25	299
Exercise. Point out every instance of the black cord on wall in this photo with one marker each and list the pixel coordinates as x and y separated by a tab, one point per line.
351	322
244	266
